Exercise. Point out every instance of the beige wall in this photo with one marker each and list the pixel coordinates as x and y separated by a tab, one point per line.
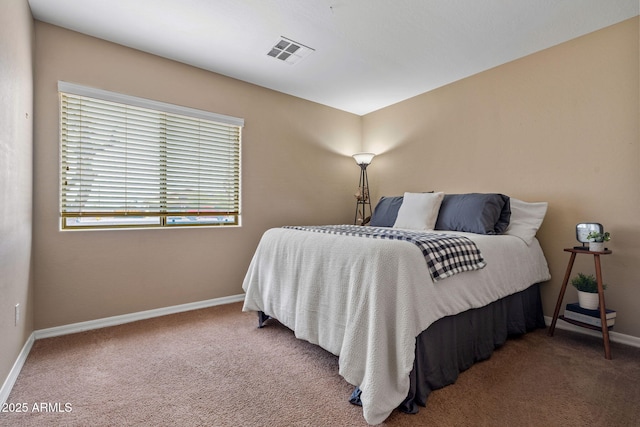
16	143
559	126
296	169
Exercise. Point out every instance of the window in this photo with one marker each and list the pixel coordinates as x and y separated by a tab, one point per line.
133	162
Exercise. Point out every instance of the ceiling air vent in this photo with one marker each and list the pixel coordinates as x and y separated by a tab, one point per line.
289	51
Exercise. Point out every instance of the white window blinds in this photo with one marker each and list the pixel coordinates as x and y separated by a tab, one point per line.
130	157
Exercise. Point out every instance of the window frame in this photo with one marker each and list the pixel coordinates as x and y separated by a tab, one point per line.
161	217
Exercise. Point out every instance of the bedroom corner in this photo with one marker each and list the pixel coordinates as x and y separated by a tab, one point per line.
561	126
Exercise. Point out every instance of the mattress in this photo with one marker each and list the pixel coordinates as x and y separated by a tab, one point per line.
366	300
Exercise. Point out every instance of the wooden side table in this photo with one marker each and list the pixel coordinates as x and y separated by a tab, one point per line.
603	319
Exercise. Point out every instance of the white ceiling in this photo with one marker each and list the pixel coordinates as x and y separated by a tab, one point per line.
368	53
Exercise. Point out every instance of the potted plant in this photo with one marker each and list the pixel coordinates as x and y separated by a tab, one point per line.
587	287
597	239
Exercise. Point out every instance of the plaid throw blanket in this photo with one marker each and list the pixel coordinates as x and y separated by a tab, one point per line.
446	254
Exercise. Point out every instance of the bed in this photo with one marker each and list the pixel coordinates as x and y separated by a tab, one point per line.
399	330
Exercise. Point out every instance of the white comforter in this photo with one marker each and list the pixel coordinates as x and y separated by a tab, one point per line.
365	300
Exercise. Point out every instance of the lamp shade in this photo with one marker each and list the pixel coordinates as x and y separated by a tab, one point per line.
363	158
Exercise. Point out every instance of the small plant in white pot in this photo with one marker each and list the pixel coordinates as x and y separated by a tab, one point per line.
597	239
587	287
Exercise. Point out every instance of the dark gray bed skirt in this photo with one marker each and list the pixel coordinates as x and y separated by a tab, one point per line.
454	343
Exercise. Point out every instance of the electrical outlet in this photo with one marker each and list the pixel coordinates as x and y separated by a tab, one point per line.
17	314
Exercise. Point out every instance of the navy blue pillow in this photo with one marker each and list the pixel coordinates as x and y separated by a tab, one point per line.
474	213
386	211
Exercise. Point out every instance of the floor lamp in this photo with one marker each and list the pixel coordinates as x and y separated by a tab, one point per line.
362	196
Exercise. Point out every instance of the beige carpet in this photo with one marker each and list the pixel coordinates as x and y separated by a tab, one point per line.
213	367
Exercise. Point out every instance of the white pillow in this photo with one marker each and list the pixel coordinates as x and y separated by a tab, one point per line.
526	219
419	211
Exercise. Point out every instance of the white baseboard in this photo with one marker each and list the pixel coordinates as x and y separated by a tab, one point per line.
613	336
15	370
132	317
101	323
